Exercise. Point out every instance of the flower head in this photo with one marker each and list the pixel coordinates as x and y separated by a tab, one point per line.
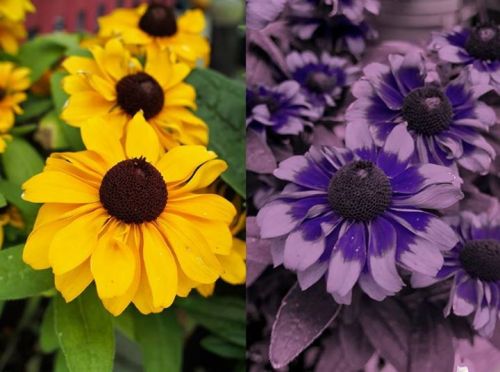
130	218
156	26
11	34
116	87
353	215
322	79
282	109
476	48
474	265
444	121
16	10
13	83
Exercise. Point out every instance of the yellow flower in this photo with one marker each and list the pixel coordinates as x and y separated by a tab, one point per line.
130	218
13	82
15	10
114	86
156	27
10	215
11	34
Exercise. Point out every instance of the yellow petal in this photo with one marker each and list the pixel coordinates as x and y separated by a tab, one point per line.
103	138
234	268
217	234
142	140
181	95
184	284
190	248
80	65
206	290
74	243
82	106
74	282
192	21
204	176
160	267
58	187
179	163
104	87
52	212
143	299
113	265
207	206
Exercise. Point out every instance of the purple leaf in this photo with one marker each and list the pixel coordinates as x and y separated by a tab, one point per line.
355	345
258	250
333	358
302	317
260	158
388	327
254	270
495	338
431	343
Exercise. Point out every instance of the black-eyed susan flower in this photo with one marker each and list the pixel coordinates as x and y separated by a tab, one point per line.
11	34
13	82
16	10
156	26
132	219
114	86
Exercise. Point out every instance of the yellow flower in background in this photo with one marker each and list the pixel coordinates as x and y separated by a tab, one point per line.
16	10
13	82
129	217
114	86
9	216
156	27
11	34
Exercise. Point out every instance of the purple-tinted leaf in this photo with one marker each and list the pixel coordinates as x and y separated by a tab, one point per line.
333	358
431	343
254	270
355	345
302	317
495	338
264	42
258	250
388	328
260	158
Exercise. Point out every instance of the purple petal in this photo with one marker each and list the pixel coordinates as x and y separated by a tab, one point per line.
312	274
275	219
416	178
453	54
304	246
258	250
385	85
465	298
371	288
422	256
358	138
397	151
408	70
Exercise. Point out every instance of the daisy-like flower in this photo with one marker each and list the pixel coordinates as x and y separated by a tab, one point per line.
474	265
476	48
156	26
130	218
115	86
323	79
13	83
11	34
283	109
353	215
444	121
16	10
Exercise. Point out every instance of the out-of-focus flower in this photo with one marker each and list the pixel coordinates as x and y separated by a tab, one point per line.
474	265
136	218
282	109
478	49
156	26
9	216
16	10
353	215
14	81
116	87
444	121
262	12
11	34
322	79
354	9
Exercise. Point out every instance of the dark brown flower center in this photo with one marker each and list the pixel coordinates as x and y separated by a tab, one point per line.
159	20
133	191
320	82
483	42
481	259
140	92
360	191
427	110
3	93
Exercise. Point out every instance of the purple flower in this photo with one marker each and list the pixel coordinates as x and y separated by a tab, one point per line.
262	12
283	109
474	265
445	122
354	9
352	214
323	79
477	48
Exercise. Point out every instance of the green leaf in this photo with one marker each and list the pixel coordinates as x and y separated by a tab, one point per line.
3	201
224	316
18	280
21	161
60	364
44	52
223	348
221	103
48	337
12	193
59	96
160	339
34	107
85	332
125	323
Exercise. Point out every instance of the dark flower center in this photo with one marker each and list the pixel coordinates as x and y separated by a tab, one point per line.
159	20
481	259
483	42
3	93
359	191
140	92
427	110
133	191
320	82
